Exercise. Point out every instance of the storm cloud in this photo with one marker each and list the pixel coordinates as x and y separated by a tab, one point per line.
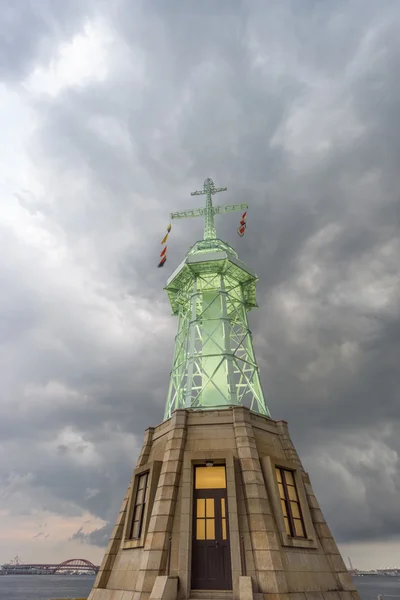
111	114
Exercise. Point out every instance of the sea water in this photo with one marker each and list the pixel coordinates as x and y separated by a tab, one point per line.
43	587
371	586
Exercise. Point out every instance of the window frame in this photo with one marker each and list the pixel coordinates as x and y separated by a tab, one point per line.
141	505
269	464
288	502
152	469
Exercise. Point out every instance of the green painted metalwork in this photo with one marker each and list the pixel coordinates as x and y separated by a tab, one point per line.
211	292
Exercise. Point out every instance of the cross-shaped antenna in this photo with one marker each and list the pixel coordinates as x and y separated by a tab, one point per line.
209	211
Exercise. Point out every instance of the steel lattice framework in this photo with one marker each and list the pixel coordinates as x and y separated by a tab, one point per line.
211	292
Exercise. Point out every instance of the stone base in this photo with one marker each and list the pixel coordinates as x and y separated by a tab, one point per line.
267	563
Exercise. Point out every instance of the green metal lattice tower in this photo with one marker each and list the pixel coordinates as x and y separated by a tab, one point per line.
211	292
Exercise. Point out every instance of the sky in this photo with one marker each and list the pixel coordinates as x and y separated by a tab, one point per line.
111	113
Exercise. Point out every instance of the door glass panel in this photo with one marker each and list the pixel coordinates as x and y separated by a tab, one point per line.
201	504
208	478
224	529
200	529
278	475
210	507
223	515
210	529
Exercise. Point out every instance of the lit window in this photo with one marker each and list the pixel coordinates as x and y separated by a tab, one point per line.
205	519
223	515
139	506
290	504
207	478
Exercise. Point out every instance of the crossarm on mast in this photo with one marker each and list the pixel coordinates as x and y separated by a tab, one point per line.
219	210
195	212
212	190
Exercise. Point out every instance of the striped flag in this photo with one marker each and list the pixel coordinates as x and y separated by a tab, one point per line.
163	253
242	226
166	235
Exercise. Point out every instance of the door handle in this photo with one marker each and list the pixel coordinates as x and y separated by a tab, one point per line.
216	543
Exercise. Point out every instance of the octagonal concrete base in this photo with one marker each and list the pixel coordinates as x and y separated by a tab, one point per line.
267	564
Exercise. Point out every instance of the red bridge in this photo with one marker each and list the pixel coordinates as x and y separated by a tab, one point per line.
73	564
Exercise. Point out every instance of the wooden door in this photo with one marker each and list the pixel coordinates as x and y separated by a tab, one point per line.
211	559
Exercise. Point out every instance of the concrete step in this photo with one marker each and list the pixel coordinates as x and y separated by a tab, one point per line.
211	595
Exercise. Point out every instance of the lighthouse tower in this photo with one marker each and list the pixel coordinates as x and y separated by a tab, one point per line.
219	505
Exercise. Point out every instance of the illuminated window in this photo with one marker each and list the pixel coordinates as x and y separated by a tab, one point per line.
290	504
210	478
139	506
223	515
205	519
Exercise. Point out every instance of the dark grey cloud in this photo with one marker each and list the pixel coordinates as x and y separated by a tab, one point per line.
294	108
32	30
97	537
